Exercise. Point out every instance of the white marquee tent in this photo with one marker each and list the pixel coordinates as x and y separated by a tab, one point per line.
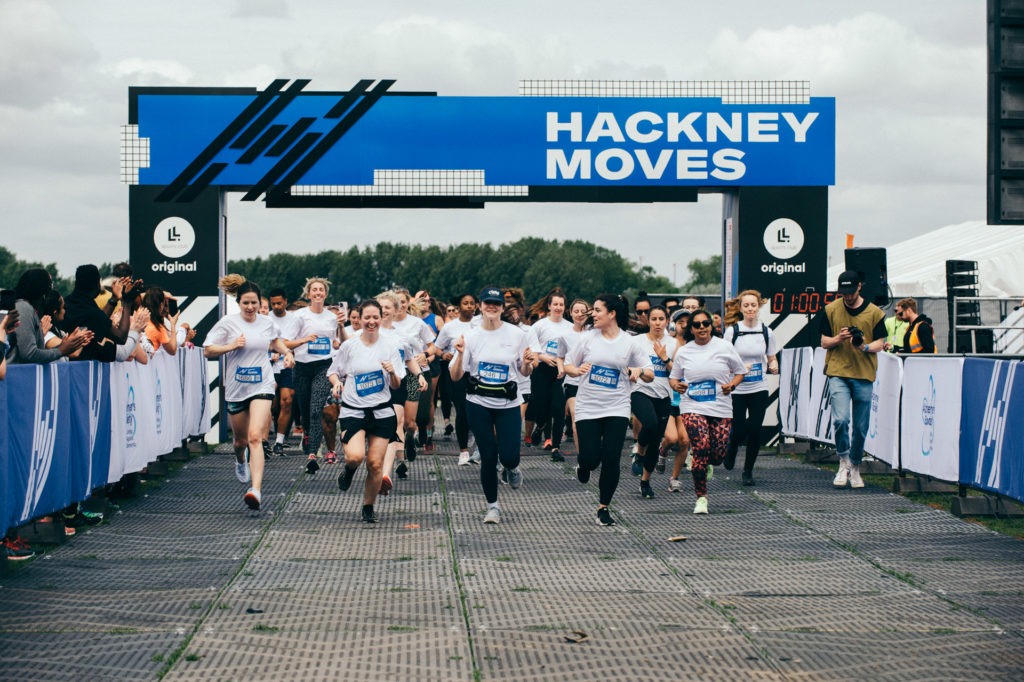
917	267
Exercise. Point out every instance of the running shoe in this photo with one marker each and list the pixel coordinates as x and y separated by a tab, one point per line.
547	444
637	467
242	472
528	442
278	450
16	549
410	448
369	516
645	490
312	466
556	455
448	430
675	486
402	470
702	506
345	478
475	457
514	477
430	441
331	457
634	450
689	461
582	474
493	515
386	485
503	475
266	446
538	435
464	458
855	480
252	499
604	517
660	466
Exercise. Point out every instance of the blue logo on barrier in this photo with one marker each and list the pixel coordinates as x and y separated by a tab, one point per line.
130	422
159	407
928	419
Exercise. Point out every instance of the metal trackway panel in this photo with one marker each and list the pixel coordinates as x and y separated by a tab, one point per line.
790	580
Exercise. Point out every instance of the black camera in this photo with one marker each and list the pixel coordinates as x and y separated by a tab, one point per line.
138	289
858	336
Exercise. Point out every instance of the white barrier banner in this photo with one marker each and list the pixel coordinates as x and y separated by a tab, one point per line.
931	407
795	367
167	401
123	425
196	413
884	428
147	447
821	405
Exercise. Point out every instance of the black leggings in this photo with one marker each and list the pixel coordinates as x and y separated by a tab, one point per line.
497	436
599	442
653	415
444	390
458	393
747	417
311	391
547	402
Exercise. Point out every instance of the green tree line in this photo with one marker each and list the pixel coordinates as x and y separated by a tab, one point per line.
581	268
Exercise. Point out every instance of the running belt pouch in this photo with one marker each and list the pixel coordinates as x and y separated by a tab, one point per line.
506	391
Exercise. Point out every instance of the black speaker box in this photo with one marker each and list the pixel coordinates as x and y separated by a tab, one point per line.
870	263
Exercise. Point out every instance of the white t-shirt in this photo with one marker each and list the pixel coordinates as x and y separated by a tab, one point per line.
604	391
704	369
247	370
751	347
416	330
658	388
450	333
366	384
548	337
287	328
493	356
325	326
572	339
524	382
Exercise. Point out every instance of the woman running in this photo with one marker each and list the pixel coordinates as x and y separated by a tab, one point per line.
407	322
433	316
675	434
609	362
651	402
444	386
364	372
245	339
705	371
755	342
547	399
452	331
317	337
579	311
491	357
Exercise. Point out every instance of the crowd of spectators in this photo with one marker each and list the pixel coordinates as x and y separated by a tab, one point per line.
117	319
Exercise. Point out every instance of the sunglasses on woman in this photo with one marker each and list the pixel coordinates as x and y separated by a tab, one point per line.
700	324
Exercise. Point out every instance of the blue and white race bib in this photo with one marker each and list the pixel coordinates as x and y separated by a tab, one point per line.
755	373
703	391
369	383
249	375
492	373
552	347
321	346
660	366
605	377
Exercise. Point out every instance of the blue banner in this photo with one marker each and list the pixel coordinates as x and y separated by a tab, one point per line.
991	428
90	426
515	141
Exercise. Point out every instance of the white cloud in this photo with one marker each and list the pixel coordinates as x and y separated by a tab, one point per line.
261	9
152	72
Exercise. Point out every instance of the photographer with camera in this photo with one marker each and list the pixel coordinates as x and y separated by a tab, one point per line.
853	332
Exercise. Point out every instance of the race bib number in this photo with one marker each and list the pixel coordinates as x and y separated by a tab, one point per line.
369	383
702	391
321	346
249	375
492	373
605	377
552	347
660	366
755	373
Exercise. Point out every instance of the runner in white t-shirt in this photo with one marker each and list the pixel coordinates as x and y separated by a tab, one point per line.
651	403
705	371
450	333
492	357
244	340
755	342
288	325
608	362
579	311
547	399
364	371
421	337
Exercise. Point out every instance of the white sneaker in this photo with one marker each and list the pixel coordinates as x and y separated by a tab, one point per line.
242	472
702	506
475	457
855	480
464	458
515	478
689	462
675	486
252	499
843	475
493	515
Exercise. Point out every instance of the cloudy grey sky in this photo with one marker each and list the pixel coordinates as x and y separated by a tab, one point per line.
908	78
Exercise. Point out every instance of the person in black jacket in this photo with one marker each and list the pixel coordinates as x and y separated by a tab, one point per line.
81	311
